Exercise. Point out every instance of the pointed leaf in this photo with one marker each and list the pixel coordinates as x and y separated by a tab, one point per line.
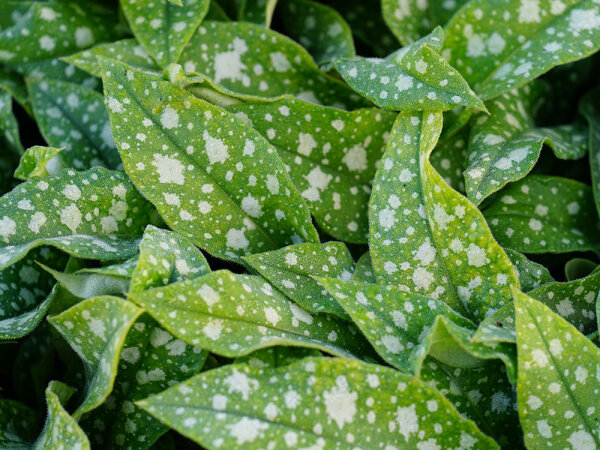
531	274
9	128
449	156
201	312
36	161
316	401
363	272
446	250
203	159
559	379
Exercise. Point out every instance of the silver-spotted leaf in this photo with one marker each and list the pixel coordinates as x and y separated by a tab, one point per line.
96	329
291	270
449	156
203	312
322	402
96	214
363	272
502	44
426	237
330	154
91	284
531	274
213	179
530	216
559	379
36	161
164	28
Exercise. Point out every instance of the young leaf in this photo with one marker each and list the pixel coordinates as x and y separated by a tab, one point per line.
559	371
531	217
60	429
219	52
319	28
96	214
531	274
96	329
331	156
17	424
363	272
164	28
446	250
291	270
75	118
499	45
201	312
325	402
589	108
416	79
204	160
36	161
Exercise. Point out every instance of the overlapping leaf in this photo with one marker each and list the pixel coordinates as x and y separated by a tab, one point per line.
276	356
499	45
559	371
17	424
36	161
9	128
317	401
448	158
363	272
331	157
531	274
589	108
530	216
259	12
427	238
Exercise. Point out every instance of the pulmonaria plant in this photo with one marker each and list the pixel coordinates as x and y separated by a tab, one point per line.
221	227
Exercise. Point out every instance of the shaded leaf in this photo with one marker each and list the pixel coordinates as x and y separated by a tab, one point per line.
36	161
531	274
579	268
9	128
259	12
363	272
17	424
276	356
589	108
90	284
449	156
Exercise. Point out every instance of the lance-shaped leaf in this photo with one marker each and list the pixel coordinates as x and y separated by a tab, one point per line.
25	292
532	217
331	156
291	270
363	272
164	28
213	179
96	329
13	83
96	214
559	379
17	424
319	28
499	45
482	394
317	401
74	117
35	162
426	237
590	109
504	146
259	12
233	315
531	274
9	128
128	51
90	284
574	300
60	429
221	51
418	78
411	20
276	356
449	156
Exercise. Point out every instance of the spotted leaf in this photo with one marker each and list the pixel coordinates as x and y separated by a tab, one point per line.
9	128
426	237
343	400
36	161
291	270
96	329
91	284
331	156
363	272
499	45
559	370
201	312
531	274
530	217
164	28
259	12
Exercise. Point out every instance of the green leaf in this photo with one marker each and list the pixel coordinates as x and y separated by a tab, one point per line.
531	274
504	146
446	250
75	118
589	108
219	52
256	11
559	379
331	156
204	168
363	272
36	161
530	217
60	428
128	51
87	285
163	28
291	270
319	28
330	403
17	424
276	356
96	329
25	292
201	312
502	44
448	158
411	20
579	268
96	214
13	83
416	79
9	128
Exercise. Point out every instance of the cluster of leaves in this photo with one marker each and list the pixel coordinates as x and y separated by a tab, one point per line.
404	245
